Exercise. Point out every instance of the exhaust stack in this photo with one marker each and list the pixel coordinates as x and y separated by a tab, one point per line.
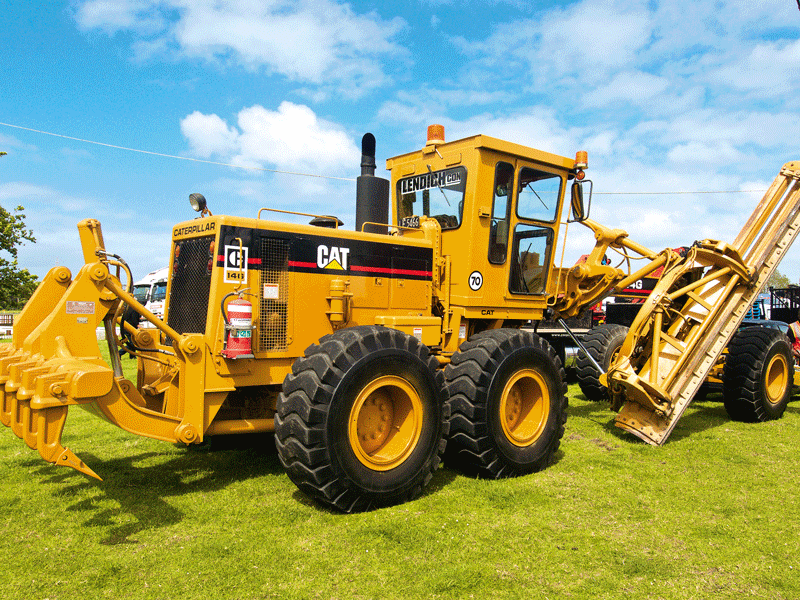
372	193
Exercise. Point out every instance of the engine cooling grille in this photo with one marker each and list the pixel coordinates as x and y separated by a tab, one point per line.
274	294
190	285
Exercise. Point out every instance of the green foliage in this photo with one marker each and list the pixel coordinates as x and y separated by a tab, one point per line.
711	514
777	280
16	284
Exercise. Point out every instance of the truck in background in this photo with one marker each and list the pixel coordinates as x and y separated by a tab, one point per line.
151	292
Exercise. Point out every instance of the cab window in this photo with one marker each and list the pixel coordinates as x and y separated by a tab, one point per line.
436	194
530	254
538	195
140	292
160	291
501	213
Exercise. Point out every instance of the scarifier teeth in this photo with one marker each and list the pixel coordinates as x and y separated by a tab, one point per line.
67	458
21	380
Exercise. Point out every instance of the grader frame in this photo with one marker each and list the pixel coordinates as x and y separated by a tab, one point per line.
371	349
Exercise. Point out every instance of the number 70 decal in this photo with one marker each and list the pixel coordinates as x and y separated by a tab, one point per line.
475	281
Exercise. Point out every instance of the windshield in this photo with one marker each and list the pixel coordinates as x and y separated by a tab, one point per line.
539	193
436	194
160	291
140	292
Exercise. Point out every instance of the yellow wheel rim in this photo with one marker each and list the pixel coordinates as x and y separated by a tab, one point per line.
614	356
524	407
385	423
777	378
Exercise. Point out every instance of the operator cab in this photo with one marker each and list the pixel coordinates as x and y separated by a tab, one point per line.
499	209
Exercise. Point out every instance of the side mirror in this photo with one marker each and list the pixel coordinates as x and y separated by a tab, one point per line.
580	212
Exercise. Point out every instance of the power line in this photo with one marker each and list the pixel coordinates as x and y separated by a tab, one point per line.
222	164
677	193
208	162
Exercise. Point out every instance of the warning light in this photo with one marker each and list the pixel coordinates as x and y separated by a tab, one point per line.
435	134
581	159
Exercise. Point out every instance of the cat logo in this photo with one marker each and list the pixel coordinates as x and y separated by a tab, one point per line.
235	264
332	258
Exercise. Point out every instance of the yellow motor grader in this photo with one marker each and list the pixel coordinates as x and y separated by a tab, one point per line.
368	352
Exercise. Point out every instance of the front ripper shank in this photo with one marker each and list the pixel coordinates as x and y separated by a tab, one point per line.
54	361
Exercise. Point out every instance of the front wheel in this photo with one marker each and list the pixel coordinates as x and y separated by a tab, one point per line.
758	375
360	422
507	404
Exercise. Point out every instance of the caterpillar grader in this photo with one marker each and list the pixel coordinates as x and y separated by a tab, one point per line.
374	354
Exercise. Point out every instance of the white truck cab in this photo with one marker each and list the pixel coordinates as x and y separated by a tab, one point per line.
151	291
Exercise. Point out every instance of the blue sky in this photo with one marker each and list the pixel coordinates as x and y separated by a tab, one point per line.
672	96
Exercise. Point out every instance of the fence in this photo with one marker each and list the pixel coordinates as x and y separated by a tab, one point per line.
6	324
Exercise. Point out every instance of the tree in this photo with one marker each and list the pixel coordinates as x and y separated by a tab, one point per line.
777	280
16	285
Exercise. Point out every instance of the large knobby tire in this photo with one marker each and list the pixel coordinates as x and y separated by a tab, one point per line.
362	420
603	342
758	375
507	404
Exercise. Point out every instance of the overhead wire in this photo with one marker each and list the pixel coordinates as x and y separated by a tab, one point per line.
189	158
300	174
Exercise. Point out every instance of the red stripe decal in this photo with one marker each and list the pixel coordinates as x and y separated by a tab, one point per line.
389	271
360	269
250	261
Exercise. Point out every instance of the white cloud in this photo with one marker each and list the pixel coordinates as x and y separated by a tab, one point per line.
586	39
770	69
7	142
209	134
694	153
112	15
18	190
536	128
292	137
52	214
635	87
310	41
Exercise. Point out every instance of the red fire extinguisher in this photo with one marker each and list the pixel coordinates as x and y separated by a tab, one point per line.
238	327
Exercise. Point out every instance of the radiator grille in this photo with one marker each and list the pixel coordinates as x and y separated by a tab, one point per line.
274	294
190	285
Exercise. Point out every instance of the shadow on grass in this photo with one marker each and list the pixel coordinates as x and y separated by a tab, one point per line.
699	416
440	479
139	484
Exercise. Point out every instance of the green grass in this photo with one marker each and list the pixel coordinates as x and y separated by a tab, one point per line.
712	514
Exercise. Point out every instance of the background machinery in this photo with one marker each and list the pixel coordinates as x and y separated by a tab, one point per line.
368	352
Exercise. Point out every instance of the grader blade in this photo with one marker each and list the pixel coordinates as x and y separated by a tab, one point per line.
686	322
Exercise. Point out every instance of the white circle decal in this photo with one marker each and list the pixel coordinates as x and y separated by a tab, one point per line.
475	281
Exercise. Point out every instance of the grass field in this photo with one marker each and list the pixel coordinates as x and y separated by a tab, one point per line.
712	514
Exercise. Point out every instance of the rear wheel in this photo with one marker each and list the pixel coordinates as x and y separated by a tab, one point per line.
603	343
758	374
360	422
507	404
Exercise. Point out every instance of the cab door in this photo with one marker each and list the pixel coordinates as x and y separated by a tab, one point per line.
524	218
538	195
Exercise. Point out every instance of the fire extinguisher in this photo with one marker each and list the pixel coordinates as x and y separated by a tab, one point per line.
238	327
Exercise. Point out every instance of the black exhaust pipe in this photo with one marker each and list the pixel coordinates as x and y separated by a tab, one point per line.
372	193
